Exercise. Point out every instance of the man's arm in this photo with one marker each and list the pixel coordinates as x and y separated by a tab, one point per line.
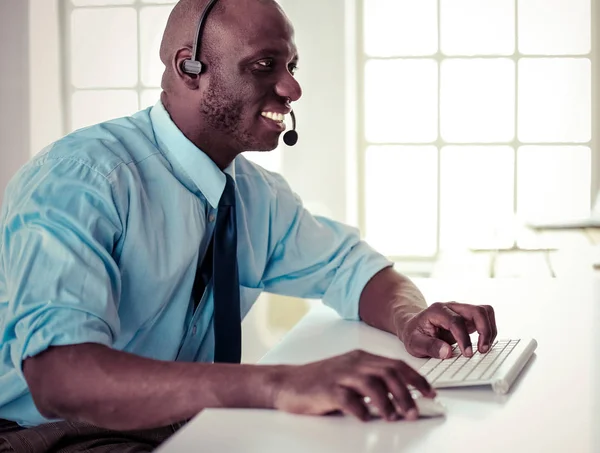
116	390
391	302
316	257
101	386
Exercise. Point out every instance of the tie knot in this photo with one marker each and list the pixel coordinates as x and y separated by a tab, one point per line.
228	196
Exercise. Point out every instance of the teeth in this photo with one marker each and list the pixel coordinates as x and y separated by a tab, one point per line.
273	116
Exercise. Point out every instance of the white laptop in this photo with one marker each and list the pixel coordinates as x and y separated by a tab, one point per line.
590	221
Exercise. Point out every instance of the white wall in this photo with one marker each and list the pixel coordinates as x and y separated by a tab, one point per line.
30	88
317	166
595	5
14	88
45	76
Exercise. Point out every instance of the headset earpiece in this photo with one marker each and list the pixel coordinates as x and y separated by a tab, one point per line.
191	67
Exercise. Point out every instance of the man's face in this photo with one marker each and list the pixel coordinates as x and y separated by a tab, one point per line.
252	79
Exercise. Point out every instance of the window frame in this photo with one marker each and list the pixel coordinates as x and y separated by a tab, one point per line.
66	8
362	143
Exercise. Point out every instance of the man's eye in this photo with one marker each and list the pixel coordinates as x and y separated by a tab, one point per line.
266	63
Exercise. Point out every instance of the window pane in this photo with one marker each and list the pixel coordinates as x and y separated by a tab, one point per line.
401	199
554	27
401	100
554	100
92	107
400	27
478	100
153	21
149	98
473	27
110	61
553	182
477	190
101	2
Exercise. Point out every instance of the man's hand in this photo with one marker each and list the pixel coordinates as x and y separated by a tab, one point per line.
340	384
430	332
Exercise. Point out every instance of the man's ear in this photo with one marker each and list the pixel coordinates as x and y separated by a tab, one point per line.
191	81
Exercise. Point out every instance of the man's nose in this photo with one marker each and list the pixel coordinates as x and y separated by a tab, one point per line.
288	87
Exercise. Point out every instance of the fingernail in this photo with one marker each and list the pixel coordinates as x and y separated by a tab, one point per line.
444	351
484	348
412	414
469	351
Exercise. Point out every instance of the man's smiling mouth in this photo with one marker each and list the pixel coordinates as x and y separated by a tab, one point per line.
277	117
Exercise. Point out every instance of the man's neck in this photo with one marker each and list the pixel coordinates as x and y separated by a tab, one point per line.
219	151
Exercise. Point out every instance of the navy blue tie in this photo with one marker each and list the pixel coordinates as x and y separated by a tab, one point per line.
220	262
226	287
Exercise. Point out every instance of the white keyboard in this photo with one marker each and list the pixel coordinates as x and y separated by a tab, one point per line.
499	367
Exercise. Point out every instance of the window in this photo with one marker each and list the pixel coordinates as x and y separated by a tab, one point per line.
112	66
473	115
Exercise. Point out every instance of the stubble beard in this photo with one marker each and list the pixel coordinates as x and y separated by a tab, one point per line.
224	114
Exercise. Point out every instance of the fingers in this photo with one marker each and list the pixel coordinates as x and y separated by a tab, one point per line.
452	322
403	400
351	403
480	317
492	316
397	387
379	378
446	336
412	377
398	376
423	345
374	388
443	316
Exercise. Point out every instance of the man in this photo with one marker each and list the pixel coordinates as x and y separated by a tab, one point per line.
108	333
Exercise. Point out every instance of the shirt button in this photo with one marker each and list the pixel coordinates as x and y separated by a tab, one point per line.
211	218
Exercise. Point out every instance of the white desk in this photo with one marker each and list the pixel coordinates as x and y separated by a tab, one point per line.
554	406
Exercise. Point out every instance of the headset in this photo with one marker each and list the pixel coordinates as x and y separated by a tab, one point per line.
193	66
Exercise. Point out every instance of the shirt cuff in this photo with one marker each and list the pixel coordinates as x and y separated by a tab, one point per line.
57	327
361	264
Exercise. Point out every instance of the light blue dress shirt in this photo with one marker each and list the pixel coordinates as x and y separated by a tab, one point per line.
100	236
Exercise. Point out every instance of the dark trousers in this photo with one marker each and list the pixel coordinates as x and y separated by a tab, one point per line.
71	437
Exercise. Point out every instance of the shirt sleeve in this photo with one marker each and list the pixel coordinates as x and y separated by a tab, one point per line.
58	230
316	257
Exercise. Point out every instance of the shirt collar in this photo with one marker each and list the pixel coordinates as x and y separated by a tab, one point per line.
190	165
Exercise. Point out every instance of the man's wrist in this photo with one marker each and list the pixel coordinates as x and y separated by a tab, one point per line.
402	314
240	386
274	380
